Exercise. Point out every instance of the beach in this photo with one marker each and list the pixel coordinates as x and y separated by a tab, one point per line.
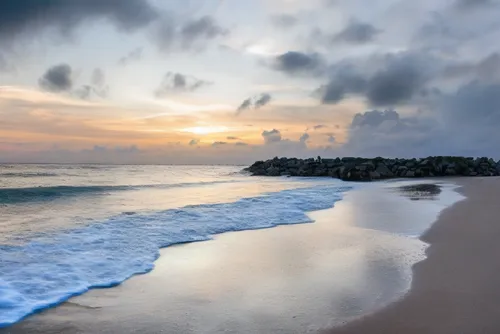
354	260
455	290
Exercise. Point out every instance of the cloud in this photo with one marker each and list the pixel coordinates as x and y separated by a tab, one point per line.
374	118
331	139
31	17
398	78
194	142
57	79
131	57
272	136
304	138
357	33
319	126
255	102
262	100
232	138
192	34
219	143
240	144
179	83
294	62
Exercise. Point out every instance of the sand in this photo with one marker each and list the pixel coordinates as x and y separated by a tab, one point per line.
456	290
283	280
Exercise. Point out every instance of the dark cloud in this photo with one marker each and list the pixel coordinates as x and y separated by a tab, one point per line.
57	79
254	102
219	143
374	118
30	17
202	28
294	62
232	138
272	136
170	34
319	126
241	144
395	84
179	83
194	142
246	104
284	20
357	33
262	100
133	56
397	79
304	138
331	139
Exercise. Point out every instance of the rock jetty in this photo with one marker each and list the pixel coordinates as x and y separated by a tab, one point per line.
362	169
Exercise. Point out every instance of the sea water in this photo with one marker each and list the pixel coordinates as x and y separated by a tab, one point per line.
65	229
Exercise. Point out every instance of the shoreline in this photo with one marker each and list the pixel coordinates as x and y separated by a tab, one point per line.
327	274
455	289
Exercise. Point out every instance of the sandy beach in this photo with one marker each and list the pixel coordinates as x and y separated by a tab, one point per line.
455	290
306	278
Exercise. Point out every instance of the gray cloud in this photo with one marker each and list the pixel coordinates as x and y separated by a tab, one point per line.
254	102
240	143
219	143
319	126
29	17
194	142
272	136
232	138
262	100
397	79
57	79
294	62
374	118
357	32
133	56
304	138
171	34
331	139
179	83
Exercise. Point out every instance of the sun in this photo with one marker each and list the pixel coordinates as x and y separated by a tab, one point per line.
203	130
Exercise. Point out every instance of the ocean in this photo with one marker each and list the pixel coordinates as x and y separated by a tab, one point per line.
66	229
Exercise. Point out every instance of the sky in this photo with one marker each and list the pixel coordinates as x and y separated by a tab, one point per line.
234	81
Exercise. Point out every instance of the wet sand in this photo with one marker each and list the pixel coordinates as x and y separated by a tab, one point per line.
456	289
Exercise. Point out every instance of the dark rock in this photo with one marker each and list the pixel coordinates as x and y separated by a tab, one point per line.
360	169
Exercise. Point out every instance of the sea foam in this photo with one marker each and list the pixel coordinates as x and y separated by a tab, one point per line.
49	269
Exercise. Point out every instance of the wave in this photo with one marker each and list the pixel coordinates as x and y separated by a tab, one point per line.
38	194
50	269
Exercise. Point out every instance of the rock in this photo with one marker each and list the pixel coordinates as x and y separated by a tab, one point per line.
360	169
384	171
273	171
